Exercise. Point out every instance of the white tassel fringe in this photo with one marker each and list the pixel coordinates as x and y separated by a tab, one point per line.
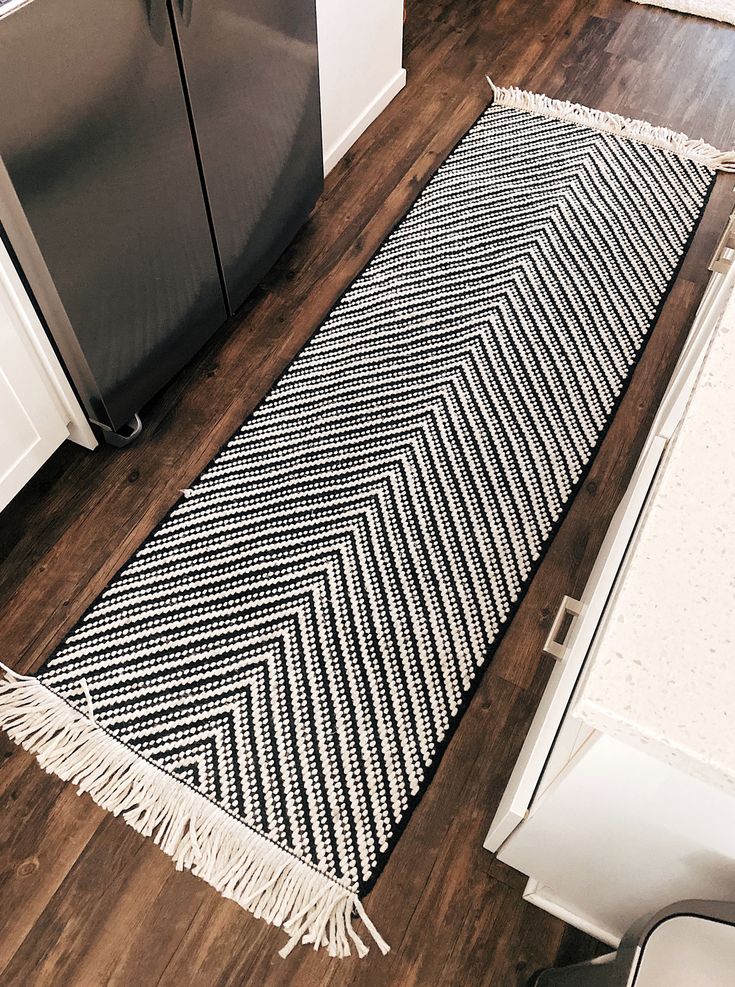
240	863
611	123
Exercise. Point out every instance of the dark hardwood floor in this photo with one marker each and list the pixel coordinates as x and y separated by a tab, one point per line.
85	901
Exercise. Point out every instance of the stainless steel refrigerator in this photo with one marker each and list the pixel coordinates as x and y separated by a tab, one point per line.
157	157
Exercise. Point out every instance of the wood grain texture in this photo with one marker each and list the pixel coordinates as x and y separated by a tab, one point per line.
88	902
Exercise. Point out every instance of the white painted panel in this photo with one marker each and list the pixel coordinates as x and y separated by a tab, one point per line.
29	330
31	423
620	834
360	67
18	430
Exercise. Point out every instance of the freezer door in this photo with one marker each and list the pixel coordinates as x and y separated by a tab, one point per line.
95	136
252	79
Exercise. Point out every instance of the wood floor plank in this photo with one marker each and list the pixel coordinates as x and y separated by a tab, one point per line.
218	948
44	829
155	931
72	928
88	902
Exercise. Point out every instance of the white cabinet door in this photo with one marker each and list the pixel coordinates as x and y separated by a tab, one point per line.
31	424
620	834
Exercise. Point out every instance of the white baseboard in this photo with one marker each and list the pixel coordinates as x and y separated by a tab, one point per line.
543	897
360	125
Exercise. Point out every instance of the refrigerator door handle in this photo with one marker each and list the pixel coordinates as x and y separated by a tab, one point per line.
157	16
185	6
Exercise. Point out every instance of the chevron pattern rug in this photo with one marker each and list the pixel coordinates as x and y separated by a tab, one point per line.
267	686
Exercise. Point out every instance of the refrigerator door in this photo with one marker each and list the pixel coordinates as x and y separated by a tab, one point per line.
252	78
95	136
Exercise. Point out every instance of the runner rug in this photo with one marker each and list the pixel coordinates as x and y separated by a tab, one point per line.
267	686
719	10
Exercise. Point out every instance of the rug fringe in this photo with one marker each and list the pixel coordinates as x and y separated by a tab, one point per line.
263	878
611	123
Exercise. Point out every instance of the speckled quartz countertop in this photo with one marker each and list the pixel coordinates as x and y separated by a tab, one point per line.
663	673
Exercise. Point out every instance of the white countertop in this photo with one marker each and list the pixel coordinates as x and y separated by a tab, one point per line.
663	673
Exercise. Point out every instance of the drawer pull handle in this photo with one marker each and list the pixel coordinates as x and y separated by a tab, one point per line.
553	647
719	263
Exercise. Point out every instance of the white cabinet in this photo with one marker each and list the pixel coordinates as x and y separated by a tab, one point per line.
609	826
618	834
360	67
38	410
32	425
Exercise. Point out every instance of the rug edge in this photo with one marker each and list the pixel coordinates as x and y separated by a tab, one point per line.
721	14
264	879
696	150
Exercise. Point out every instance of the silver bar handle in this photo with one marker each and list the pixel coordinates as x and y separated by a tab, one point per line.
719	263
558	649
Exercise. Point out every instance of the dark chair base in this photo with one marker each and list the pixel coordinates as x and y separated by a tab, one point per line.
615	969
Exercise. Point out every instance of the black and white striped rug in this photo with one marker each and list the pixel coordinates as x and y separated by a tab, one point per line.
268	684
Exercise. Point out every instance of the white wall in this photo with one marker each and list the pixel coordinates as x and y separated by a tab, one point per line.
360	67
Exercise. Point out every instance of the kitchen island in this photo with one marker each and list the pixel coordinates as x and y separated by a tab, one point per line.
623	798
